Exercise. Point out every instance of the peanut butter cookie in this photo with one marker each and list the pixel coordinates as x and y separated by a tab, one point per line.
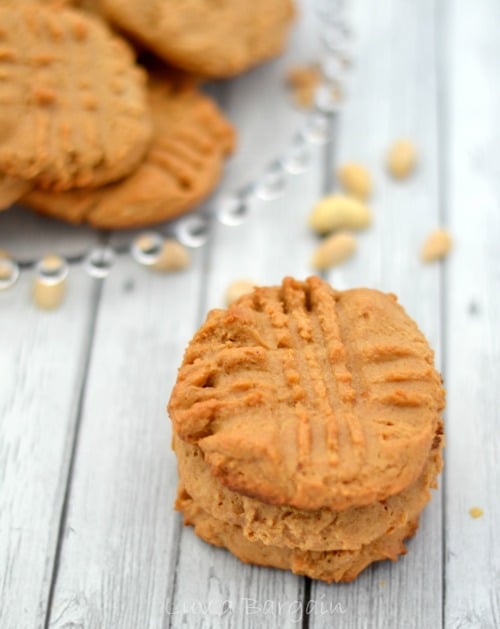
328	565
286	526
305	396
182	166
73	108
216	39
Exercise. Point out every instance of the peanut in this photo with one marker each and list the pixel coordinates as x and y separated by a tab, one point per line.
437	245
237	289
355	179
401	159
49	286
173	257
5	266
303	81
333	251
339	211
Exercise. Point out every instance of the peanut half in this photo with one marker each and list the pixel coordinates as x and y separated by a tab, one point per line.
49	286
339	211
237	289
437	245
303	81
355	179
173	257
401	159
333	251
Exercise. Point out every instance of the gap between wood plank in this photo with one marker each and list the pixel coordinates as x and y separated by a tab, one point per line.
94	308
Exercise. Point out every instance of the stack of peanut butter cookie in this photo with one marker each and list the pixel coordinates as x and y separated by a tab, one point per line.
308	428
88	135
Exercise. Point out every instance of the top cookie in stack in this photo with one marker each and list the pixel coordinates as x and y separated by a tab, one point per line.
308	428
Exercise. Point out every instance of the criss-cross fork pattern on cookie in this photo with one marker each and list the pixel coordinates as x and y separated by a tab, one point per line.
183	164
311	397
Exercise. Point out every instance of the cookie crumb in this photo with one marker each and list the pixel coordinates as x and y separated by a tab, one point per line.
476	512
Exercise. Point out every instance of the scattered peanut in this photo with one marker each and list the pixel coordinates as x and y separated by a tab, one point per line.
49	286
476	512
436	246
355	179
339	212
237	289
173	257
303	81
401	159
5	269
333	251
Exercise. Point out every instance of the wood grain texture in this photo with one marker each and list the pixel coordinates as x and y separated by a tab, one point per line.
116	564
42	360
274	241
392	94
472	102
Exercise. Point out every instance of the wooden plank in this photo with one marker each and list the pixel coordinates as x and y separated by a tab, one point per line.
115	568
42	362
273	241
392	94
472	102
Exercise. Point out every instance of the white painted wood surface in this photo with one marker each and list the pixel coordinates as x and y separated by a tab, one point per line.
394	92
472	297
88	537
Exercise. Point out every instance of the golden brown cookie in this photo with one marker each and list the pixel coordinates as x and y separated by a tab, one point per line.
285	526
182	166
330	565
305	396
213	39
73	108
11	189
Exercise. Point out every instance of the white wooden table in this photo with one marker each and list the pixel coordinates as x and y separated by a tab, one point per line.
88	536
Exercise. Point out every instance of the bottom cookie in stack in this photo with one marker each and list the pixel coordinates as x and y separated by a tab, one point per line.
323	544
307	429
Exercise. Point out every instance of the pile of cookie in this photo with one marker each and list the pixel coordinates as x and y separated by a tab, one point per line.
307	428
89	135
